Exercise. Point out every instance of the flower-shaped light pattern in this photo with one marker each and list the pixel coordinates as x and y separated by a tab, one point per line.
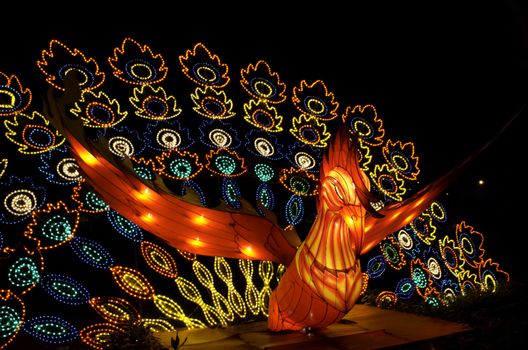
224	162
490	275
21	196
393	253
153	103
212	103
204	68
217	134
165	135
59	167
262	144
60	60
13	97
420	275
386	299
134	63
53	225
13	312
263	116
449	290
261	83
388	181
315	100
178	165
309	130
400	156
304	157
144	168
406	240
451	255
33	133
299	182
364	122
471	243
97	110
435	264
423	227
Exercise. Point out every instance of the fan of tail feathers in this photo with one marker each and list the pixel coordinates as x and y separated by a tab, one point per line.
176	193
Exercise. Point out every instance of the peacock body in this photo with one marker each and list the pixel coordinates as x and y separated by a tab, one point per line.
207	198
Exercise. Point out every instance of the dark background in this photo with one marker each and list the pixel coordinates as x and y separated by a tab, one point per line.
445	76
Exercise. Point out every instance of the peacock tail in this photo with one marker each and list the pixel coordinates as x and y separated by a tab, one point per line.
242	152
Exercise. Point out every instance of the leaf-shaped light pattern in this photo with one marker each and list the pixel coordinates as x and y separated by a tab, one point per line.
124	226
158	325
231	193
115	310
294	210
132	282
173	310
309	130
405	288
53	226
217	134
376	266
33	133
261	83
60	60
51	329
204	68
13	97
159	260
92	253
365	123
224	162
251	294
65	289
470	242
191	293
59	167
212	103
178	165
98	110
265	197
206	279
134	63
400	156
98	335
223	270
154	104
388	182
299	182
263	116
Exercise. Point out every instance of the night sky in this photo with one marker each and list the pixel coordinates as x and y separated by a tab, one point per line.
445	77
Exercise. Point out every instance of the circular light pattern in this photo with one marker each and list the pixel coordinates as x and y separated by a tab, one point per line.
125	227
376	266
386	299
299	185
489	281
38	136
57	228
181	167
23	273
85	76
264	172
449	295
68	169
156	107
263	147
144	173
10	320
65	289
141	71
315	105
449	256
405	239
51	329
419	277
206	73
225	164
220	138
263	88
92	253
20	202
94	202
434	268
168	138
405	288
438	212
121	146
304	161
